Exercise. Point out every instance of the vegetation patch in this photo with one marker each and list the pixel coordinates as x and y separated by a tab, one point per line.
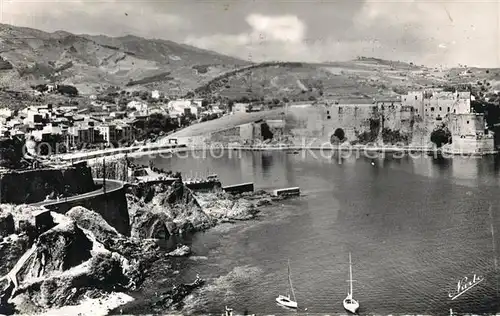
201	69
371	135
338	137
390	136
155	78
441	136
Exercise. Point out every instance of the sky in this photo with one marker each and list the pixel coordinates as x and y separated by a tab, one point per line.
430	32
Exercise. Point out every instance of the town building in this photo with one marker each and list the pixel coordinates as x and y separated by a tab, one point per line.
241	107
180	107
140	106
108	133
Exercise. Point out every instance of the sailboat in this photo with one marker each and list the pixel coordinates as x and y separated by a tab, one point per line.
350	304
286	300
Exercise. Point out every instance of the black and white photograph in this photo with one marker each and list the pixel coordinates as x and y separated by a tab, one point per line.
249	157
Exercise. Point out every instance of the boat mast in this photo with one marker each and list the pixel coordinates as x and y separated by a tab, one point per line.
290	281
350	275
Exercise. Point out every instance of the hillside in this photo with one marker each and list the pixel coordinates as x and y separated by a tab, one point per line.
94	63
91	63
361	78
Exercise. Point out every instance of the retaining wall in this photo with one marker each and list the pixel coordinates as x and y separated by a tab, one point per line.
112	205
31	186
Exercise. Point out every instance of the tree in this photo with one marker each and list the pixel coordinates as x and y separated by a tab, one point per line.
338	136
67	90
441	136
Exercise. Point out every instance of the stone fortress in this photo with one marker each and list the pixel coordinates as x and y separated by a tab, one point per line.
404	120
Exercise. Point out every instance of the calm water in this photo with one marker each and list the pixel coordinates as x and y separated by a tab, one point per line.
414	226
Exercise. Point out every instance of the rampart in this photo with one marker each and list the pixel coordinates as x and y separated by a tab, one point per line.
111	204
30	186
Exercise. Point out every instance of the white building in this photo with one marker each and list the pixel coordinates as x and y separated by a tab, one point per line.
108	132
180	106
155	94
138	105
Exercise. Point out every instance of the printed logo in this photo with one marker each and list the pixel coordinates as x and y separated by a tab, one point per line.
465	284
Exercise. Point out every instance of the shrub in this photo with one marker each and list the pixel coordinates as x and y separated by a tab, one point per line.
67	90
441	136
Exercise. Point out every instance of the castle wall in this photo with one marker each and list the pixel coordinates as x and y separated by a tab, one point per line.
352	118
466	125
246	132
409	121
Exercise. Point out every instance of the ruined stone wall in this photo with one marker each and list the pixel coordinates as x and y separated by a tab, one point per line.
468	133
465	125
470	145
354	119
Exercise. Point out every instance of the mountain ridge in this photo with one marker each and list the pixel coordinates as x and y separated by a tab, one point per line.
93	63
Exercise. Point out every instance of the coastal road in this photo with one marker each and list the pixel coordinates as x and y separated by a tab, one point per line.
111	186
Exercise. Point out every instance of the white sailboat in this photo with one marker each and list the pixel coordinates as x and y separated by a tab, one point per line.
286	300
350	304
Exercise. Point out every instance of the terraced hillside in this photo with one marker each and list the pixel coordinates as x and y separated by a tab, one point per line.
29	56
362	78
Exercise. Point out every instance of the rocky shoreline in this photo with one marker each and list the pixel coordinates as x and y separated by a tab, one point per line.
53	261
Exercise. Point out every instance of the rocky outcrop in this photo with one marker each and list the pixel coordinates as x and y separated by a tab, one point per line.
242	210
224	206
173	299
163	211
78	256
150	224
94	222
181	251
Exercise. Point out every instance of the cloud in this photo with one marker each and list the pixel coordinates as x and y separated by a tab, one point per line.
269	37
286	28
112	17
424	32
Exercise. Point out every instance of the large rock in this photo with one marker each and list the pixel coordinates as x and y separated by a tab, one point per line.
151	224
67	263
181	251
94	222
11	250
58	249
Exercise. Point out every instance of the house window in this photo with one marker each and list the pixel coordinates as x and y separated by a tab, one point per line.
454	110
416	98
448	109
416	110
440	109
328	117
467	122
432	109
327	112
